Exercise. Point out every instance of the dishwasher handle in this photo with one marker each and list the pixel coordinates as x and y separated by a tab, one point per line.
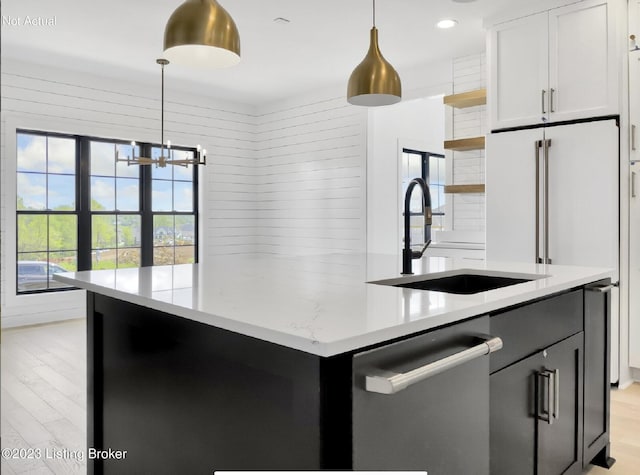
391	383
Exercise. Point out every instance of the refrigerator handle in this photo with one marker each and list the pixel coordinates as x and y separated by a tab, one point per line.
538	145
547	144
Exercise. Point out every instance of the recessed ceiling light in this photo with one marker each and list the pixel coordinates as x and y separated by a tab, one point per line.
448	23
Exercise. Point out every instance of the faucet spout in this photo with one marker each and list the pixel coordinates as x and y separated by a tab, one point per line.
407	253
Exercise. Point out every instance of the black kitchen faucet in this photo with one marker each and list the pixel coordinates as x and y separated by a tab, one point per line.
407	253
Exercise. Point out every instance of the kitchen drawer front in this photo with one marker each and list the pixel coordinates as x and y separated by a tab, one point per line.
530	328
439	424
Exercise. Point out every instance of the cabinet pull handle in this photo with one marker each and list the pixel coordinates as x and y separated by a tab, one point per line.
552	396
602	288
633	184
538	144
633	137
543	101
395	382
551	106
556	394
546	144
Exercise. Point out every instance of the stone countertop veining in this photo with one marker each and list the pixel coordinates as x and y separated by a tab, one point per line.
321	304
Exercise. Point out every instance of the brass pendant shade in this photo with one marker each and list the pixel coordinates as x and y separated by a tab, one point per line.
374	82
201	33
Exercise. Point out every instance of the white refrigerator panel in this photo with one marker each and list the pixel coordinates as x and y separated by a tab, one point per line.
510	195
584	194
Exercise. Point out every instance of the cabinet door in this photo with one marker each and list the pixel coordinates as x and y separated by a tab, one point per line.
597	326
518	59
536	413
560	391
440	424
582	67
513	418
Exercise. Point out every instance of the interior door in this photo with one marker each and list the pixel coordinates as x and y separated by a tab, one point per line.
511	195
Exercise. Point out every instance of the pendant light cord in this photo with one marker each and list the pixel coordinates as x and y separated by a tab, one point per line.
374	12
162	113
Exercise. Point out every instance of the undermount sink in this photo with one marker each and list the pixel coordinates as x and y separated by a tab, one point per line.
465	281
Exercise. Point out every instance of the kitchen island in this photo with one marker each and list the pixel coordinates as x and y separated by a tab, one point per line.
263	363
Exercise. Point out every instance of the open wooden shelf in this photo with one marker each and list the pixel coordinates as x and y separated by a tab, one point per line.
466	99
460	145
475	188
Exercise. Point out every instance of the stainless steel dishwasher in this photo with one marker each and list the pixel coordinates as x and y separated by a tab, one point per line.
423	403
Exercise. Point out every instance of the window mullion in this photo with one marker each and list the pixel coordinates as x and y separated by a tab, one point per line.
146	219
84	204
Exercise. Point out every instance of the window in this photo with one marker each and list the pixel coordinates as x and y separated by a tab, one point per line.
431	168
116	222
79	209
46	210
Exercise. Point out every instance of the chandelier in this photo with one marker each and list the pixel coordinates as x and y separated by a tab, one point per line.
166	152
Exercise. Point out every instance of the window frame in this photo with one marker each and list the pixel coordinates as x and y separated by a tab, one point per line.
425	176
84	213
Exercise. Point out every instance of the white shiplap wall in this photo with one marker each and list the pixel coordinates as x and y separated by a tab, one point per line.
64	101
310	173
468	167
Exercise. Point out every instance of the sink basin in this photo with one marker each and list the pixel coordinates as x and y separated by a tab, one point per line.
466	281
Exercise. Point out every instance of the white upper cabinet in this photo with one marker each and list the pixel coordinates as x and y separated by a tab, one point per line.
634	90
553	66
519	71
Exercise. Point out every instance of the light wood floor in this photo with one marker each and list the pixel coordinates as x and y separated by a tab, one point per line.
43	398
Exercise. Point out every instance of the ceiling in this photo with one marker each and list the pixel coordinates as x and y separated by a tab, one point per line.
320	46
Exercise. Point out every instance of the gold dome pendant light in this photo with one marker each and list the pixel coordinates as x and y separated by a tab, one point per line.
201	33
374	82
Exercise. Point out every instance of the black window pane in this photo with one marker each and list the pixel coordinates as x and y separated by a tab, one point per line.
185	230
103	194
61	194
129	257
32	271
128	231
163	256
183	196
123	169
185	254
31	153
103	159
32	232
31	191
127	194
163	230
63	233
103	231
162	195
163	173
61	155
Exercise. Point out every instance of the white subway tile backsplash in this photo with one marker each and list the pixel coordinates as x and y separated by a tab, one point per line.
469	73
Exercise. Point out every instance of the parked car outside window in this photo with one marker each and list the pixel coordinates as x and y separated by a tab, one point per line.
37	275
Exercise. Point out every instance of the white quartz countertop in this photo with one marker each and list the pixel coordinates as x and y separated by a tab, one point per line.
321	304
